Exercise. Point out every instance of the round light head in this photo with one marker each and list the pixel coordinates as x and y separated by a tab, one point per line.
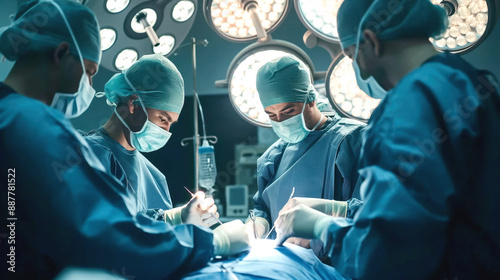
344	93
320	16
151	17
243	74
167	44
183	11
470	24
116	6
108	38
232	22
125	59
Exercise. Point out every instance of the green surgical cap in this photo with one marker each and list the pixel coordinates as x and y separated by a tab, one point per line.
284	80
390	19
38	26
155	79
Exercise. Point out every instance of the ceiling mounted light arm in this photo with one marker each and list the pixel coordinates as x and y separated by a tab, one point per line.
450	6
311	40
250	6
142	19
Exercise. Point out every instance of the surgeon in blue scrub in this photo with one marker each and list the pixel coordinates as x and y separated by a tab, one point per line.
148	98
430	158
316	155
59	206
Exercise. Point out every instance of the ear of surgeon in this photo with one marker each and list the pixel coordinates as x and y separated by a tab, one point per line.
289	98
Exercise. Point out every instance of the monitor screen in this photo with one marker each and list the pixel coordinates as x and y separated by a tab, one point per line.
237	196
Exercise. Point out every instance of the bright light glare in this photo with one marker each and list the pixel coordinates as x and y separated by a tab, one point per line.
151	18
243	89
321	16
125	59
183	11
346	94
108	38
116	6
230	19
167	43
466	27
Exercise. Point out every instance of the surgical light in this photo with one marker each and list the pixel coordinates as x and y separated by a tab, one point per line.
470	22
167	43
108	38
242	73
183	11
236	20
142	18
148	16
344	93
125	59
116	6
161	28
320	16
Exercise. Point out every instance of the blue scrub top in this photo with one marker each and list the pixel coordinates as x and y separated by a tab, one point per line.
323	165
69	212
431	163
144	181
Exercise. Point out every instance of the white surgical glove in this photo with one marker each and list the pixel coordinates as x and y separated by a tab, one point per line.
197	212
231	238
301	221
330	207
257	229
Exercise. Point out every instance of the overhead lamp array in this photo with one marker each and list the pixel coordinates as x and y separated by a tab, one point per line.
164	25
233	21
344	93
470	22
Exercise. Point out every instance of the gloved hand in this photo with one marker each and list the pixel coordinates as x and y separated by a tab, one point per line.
257	229
330	207
231	238
300	221
196	211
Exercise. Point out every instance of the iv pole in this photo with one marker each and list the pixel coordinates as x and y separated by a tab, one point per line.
196	136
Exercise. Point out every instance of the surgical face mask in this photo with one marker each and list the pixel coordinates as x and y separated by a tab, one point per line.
151	137
74	104
294	129
370	86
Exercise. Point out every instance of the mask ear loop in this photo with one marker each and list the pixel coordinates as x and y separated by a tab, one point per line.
70	32
302	114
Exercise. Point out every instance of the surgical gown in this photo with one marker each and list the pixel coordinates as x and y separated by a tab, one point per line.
69	212
323	165
431	164
142	179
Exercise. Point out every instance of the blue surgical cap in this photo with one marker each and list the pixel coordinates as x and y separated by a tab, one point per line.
390	19
284	79
155	79
38	26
